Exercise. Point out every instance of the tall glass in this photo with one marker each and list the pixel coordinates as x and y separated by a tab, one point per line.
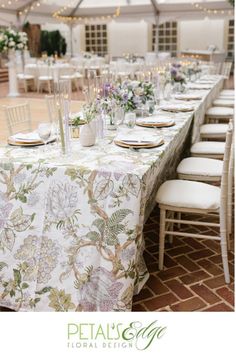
62	96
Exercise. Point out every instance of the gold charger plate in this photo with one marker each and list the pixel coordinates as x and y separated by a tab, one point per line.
141	146
156	125
190	109
27	143
193	98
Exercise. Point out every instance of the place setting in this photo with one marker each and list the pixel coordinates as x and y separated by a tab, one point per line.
138	140
177	107
155	122
42	136
199	86
188	97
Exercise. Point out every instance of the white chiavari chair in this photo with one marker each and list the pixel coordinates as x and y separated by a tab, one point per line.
45	78
226	69
68	73
230	199
196	198
216	114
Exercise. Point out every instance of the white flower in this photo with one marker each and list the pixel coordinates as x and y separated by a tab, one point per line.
11	44
130	94
20	46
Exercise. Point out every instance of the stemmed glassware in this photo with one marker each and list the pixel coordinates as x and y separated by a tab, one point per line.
118	116
45	131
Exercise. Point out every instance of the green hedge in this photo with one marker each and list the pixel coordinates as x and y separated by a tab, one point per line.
52	42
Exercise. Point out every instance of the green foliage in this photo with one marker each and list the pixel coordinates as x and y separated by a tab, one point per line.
52	42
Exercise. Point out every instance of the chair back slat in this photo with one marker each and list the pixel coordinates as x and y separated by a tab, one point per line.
18	118
226	69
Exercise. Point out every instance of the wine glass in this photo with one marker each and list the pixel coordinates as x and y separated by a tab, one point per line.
44	131
156	93
118	116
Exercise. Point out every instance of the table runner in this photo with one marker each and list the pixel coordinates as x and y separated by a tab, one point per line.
71	227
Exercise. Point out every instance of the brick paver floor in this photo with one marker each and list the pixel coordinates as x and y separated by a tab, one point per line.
192	279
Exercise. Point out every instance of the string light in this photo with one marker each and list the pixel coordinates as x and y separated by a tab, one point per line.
60	16
31	7
211	11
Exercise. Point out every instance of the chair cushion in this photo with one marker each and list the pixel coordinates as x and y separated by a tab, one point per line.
199	166
223	103
46	78
214	129
78	75
208	147
226	97
227	92
68	77
25	77
220	111
189	194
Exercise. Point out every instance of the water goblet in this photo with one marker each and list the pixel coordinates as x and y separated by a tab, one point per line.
44	131
118	116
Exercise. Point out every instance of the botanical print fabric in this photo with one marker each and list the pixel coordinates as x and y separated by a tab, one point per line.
71	227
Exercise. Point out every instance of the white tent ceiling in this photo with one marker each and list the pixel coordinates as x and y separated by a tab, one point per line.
40	11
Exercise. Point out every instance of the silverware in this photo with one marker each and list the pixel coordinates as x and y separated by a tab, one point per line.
138	141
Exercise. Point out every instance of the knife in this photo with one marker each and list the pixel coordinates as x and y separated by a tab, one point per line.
138	141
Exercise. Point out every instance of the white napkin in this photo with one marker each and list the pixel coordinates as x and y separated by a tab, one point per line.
188	97
199	86
177	107
31	137
137	139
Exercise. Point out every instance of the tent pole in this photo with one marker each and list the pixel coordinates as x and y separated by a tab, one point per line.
157	13
71	41
157	30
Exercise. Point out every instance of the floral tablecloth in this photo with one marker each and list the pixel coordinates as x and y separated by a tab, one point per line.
71	227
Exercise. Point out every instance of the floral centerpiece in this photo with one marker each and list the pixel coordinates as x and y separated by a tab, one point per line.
177	74
193	68
130	94
12	40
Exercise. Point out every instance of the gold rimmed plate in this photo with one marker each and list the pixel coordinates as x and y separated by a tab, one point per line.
156	124
177	109
137	145
13	142
188	98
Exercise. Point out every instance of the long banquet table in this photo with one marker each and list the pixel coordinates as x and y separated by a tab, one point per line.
71	227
